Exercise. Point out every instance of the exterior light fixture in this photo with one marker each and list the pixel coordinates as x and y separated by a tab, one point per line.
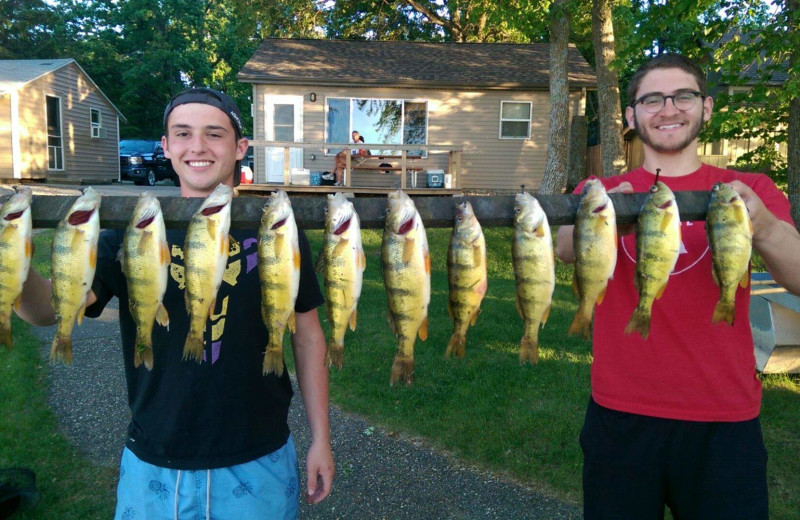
312	97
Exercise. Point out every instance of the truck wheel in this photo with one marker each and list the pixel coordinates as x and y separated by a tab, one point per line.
150	178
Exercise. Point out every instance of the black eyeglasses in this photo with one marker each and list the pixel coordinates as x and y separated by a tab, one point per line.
683	101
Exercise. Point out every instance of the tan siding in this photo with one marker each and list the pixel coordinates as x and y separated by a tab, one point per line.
33	131
468	119
6	160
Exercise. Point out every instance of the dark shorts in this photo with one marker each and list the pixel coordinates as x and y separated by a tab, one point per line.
634	465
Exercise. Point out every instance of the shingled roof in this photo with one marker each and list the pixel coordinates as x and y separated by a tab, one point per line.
409	64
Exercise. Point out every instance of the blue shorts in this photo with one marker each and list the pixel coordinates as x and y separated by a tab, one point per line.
264	488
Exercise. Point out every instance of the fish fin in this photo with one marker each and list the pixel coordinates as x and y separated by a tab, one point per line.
144	242
93	256
665	222
724	311
162	317
81	311
450	310
661	290
5	335
581	324
143	353
29	248
273	360
528	350
601	296
292	323
340	246
575	290
362	258
457	346
353	320
423	329
334	355
408	250
278	244
519	308
540	231
750	222
740	214
427	258
212	307
391	321
319	265
715	276
745	281
61	349
224	245
194	348
296	258
211	227
18	302
546	315
402	370
474	319
600	223
8	233
639	322
477	257
166	258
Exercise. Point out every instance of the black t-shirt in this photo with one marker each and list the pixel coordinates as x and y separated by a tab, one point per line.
223	411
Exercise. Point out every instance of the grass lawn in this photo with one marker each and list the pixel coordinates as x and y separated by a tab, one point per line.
519	421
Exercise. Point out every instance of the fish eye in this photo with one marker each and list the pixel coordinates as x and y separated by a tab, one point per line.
653	188
516	211
717	187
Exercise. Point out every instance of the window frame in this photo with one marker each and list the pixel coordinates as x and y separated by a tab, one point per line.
59	159
502	120
95	129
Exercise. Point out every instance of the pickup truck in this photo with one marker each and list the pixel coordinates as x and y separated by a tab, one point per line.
143	162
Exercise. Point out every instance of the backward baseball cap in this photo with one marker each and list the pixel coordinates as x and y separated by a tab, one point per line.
215	98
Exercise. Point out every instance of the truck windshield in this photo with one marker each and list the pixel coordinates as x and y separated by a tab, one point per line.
135	146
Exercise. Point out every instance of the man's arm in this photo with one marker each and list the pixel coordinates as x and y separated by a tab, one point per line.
308	345
777	241
35	307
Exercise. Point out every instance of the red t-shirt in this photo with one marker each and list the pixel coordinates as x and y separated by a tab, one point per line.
687	369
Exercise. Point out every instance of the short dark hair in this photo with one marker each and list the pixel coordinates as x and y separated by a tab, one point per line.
666	61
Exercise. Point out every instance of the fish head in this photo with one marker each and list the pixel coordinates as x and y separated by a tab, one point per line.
276	211
146	210
594	198
465	216
400	213
723	193
528	213
219	198
17	204
84	208
338	214
662	197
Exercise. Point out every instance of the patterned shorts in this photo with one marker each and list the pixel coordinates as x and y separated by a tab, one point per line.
264	488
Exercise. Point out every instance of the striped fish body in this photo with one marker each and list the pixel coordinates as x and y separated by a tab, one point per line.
658	243
16	248
730	238
406	266
279	272
595	244
466	275
205	257
145	261
343	264
73	262
534	271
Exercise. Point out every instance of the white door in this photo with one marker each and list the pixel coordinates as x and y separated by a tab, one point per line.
284	122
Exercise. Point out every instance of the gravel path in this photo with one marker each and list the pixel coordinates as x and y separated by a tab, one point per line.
378	476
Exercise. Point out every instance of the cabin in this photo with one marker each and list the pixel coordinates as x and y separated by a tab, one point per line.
56	124
476	114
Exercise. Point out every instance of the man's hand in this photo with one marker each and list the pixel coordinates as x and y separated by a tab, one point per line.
320	469
625	229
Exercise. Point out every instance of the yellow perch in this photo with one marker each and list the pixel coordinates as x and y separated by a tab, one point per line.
145	259
342	262
466	275
73	262
730	237
595	243
406	267
206	254
658	244
534	271
16	248
279	272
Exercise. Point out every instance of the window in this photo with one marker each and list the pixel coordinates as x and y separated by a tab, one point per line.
714	148
515	119
389	121
96	123
55	149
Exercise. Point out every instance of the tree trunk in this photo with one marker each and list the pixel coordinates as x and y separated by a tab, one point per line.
577	152
555	171
610	113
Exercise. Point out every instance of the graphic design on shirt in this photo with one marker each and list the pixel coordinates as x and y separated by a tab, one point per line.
690	255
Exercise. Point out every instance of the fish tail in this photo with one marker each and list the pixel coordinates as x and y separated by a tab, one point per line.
143	353
334	355
581	324
457	346
402	369
528	350
724	311
639	322
5	335
61	349
194	347
273	359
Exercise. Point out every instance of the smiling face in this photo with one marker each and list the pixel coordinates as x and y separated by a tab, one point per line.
202	145
669	130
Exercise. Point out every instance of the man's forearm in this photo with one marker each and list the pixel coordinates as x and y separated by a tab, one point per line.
779	246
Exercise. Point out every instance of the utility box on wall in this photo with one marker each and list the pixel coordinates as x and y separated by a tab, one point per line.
775	322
